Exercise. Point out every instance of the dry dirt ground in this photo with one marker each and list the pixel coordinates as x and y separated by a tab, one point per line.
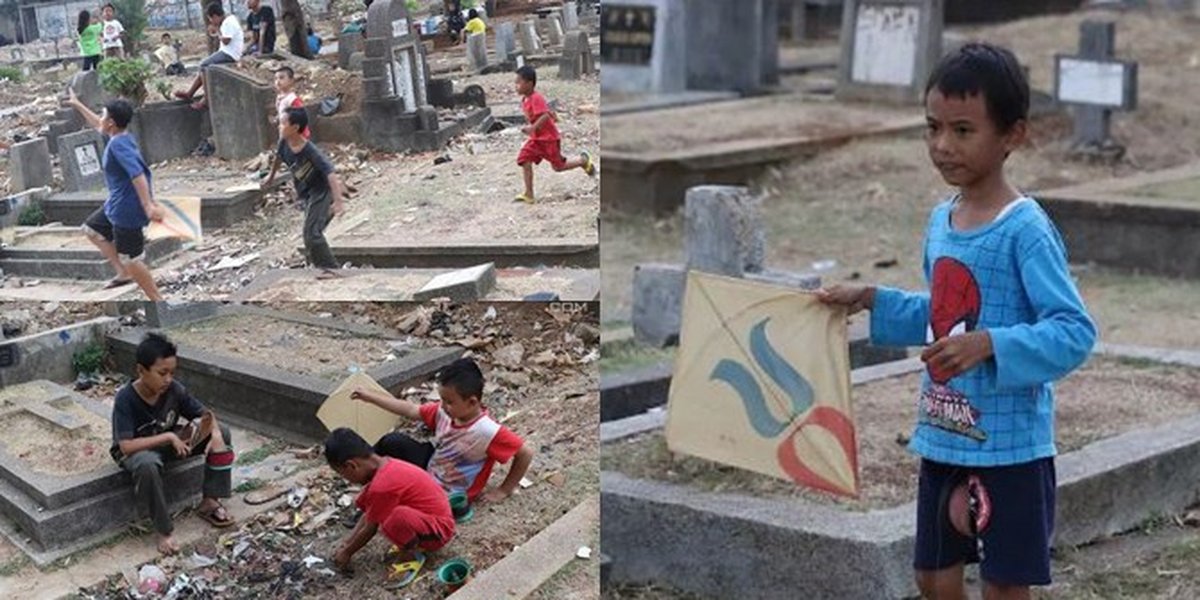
402	198
869	201
540	365
1104	398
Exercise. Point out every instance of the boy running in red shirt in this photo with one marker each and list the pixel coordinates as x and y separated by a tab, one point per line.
397	497
544	140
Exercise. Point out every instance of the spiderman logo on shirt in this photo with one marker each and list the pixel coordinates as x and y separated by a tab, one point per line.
954	304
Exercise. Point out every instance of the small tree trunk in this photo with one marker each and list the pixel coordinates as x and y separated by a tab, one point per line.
294	28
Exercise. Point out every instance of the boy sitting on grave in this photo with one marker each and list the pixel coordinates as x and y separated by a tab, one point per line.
146	437
167	54
233	42
544	140
116	227
317	184
397	497
467	441
1003	319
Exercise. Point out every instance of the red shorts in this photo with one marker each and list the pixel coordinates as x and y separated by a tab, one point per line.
407	527
535	151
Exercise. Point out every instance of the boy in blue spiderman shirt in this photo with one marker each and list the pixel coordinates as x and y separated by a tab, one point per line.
1003	319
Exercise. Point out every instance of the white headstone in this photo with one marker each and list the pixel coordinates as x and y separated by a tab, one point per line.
477	51
570	16
889	48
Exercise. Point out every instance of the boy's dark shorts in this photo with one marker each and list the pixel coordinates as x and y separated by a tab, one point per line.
217	58
130	243
1016	537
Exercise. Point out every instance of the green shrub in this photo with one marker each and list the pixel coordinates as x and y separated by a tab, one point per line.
89	360
32	215
132	15
12	74
126	78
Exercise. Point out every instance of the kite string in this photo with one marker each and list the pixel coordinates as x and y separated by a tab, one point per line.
771	392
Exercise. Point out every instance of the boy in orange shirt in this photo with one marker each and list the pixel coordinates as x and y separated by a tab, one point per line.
544	140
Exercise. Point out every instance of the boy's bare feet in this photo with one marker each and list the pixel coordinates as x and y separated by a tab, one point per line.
167	545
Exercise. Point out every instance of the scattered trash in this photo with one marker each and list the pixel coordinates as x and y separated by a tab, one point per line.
229	262
199	561
525	483
490	314
824	265
445	158
330	105
311	560
886	263
297	496
345	500
584	552
151	579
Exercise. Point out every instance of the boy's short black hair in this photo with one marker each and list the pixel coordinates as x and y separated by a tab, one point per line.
297	116
528	73
464	376
152	348
472	14
990	70
166	35
120	111
290	73
344	444
109	5
215	10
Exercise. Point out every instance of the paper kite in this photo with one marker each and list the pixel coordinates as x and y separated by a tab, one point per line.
366	419
762	382
181	219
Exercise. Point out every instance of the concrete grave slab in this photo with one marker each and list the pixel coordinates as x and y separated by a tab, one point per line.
170	130
889	48
269	399
643	46
83	494
504	253
62	252
1148	222
48	354
1105	487
29	165
463	285
80	156
381	285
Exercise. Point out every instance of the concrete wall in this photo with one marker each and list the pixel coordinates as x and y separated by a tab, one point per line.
47	355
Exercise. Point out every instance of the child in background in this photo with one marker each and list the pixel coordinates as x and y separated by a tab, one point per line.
474	25
467	441
544	140
285	95
1003	320
314	42
397	497
89	40
113	46
168	56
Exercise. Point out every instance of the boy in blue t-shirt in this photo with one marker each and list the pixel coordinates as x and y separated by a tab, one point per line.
1003	320
116	227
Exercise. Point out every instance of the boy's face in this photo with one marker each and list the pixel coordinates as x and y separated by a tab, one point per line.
354	470
524	86
108	13
458	407
158	376
166	40
283	82
964	143
285	126
107	125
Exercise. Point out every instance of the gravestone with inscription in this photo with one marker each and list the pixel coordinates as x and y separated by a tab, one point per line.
889	48
576	57
643	46
80	155
396	112
1095	84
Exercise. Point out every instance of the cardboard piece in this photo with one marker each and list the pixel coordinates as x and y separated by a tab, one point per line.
182	219
762	382
366	419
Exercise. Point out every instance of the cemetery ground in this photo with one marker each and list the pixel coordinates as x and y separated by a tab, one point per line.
867	202
540	366
461	195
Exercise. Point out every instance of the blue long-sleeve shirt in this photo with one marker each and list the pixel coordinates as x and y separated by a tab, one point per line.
1008	277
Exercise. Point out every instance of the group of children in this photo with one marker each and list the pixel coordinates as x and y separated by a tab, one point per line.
406	482
99	38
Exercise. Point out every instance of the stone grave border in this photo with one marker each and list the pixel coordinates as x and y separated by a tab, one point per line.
86	264
49	516
217	209
584	288
1106	487
47	354
1105	223
290	399
583	254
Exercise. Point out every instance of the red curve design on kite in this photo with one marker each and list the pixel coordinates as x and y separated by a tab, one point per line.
835	422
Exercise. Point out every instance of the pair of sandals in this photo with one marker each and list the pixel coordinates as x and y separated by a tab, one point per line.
403	573
192	434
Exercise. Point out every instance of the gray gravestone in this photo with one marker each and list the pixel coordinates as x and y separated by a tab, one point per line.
241	108
889	48
1095	84
529	38
577	56
87	88
570	15
723	230
643	46
506	41
29	164
554	31
477	51
80	155
396	111
733	45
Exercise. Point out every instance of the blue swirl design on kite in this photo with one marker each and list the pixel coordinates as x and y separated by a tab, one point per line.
797	388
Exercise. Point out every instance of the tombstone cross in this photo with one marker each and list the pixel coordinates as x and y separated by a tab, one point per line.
1095	84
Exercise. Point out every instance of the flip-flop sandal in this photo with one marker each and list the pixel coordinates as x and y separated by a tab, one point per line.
523	198
588	166
211	517
263	495
402	574
116	283
466	517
